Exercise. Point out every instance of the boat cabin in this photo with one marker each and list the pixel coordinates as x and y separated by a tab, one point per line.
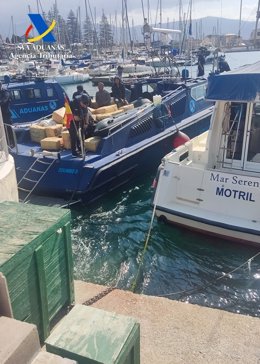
235	131
34	99
212	182
240	139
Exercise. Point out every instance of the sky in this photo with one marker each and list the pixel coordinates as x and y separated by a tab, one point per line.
201	8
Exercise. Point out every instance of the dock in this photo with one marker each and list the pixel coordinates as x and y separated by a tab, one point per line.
37	291
176	332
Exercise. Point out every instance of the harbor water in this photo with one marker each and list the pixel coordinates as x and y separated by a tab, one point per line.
109	237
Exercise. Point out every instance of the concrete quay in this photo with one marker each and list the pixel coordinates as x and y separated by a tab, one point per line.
175	332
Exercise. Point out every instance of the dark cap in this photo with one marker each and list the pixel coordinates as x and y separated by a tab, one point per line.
84	99
80	88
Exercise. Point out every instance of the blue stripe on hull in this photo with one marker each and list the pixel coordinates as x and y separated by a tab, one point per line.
209	222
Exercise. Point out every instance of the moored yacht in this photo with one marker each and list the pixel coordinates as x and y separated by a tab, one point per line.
8	183
125	141
212	182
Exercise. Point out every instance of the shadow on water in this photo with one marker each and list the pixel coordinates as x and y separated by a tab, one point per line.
108	241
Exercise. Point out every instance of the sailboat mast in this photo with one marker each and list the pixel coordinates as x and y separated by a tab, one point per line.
38	7
180	27
13	36
123	31
148	11
256	23
57	19
190	35
79	25
160	13
240	16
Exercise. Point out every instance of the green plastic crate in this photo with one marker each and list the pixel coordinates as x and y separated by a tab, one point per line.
36	259
93	336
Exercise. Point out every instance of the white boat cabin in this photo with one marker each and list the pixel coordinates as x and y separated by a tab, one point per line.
212	183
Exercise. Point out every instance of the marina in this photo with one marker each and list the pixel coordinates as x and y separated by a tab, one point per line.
113	259
176	260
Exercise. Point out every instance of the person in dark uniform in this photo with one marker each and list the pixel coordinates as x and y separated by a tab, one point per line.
120	71
82	122
223	66
80	91
5	100
118	92
201	63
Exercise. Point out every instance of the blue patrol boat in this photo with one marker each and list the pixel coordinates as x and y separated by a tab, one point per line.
32	99
122	147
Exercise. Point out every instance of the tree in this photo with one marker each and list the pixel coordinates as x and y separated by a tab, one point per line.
88	34
73	28
105	33
60	29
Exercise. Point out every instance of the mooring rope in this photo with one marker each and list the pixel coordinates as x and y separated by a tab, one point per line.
201	288
134	284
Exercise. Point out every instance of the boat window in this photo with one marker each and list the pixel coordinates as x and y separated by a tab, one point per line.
37	93
198	92
29	93
16	94
254	139
148	88
235	130
50	92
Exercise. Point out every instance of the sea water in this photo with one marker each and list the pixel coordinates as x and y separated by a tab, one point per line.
108	242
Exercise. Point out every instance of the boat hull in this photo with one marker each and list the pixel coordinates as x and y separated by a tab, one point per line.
204	225
8	183
76	178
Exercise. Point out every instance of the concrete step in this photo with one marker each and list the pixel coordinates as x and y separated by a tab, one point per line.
47	358
19	341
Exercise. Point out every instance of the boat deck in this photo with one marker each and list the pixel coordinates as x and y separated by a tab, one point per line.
176	332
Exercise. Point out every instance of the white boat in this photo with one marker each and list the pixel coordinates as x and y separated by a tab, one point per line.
212	182
64	75
71	77
8	182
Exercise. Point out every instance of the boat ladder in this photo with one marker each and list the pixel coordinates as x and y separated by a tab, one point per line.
33	176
